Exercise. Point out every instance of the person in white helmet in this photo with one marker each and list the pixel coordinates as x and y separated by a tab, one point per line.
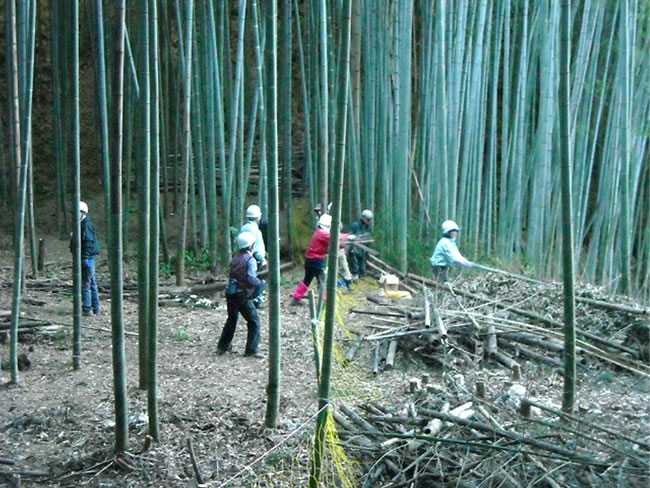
243	285
89	249
253	217
357	257
315	256
446	253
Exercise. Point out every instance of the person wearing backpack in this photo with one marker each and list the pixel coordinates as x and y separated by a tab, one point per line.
243	288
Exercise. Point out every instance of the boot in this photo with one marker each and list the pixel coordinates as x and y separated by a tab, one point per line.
300	291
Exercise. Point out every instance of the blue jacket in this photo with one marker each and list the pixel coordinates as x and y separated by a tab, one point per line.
260	249
446	253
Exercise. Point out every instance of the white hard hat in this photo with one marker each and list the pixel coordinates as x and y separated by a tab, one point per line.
325	221
253	212
367	214
83	207
448	226
245	240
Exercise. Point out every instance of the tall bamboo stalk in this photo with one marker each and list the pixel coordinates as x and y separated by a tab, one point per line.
187	140
115	242
76	182
152	323
568	397
330	311
21	194
103	110
144	209
274	381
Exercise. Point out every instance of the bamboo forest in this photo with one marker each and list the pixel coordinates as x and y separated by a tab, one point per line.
430	218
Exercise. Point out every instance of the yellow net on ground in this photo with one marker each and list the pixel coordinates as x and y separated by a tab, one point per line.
350	384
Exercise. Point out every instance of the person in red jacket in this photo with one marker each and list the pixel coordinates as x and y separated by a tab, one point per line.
315	256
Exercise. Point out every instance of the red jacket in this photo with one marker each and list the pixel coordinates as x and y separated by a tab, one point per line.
320	241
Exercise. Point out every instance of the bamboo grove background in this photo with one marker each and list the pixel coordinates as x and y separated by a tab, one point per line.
452	113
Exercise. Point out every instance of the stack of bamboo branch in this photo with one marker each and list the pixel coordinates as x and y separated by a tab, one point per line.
452	323
451	438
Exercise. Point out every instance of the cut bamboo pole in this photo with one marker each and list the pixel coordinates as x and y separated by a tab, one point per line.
390	357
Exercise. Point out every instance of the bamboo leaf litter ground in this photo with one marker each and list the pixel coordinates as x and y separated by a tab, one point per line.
57	426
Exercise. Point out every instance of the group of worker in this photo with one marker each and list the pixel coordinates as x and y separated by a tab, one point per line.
244	289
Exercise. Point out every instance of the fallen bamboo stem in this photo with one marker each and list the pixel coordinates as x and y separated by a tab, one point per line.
560	413
380	314
507	274
195	466
357	419
89	327
221	285
383	335
531	340
529	353
375	362
614	306
349	357
504	433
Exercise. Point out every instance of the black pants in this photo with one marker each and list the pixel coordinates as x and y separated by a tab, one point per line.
239	303
357	261
311	273
441	273
314	268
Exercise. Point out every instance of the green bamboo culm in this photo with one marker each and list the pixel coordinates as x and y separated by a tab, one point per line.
324	105
27	95
274	384
115	253
187	140
103	110
568	396
144	189
21	168
76	182
285	120
624	233
330	313
154	254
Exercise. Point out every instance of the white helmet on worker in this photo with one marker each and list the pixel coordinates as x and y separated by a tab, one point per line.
253	212
448	226
367	214
245	240
325	221
83	207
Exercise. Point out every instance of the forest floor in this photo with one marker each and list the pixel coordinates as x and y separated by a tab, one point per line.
56	427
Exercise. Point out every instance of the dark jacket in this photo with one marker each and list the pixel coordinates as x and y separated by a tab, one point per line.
358	227
89	243
243	273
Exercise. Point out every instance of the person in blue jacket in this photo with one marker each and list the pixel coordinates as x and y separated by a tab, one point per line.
243	287
89	249
252	225
446	253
